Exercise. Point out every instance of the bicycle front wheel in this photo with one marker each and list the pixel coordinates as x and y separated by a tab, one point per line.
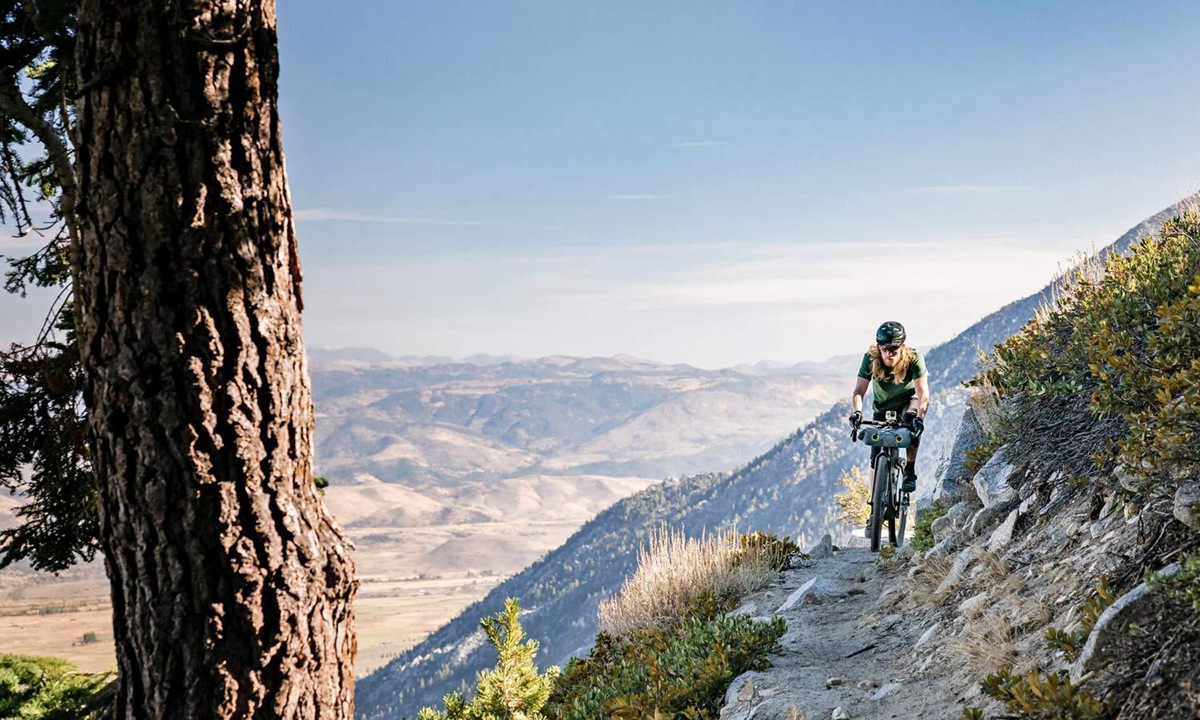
894	517
879	491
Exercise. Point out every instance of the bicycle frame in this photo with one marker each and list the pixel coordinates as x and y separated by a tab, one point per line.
889	504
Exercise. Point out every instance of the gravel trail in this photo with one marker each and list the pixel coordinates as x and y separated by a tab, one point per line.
847	652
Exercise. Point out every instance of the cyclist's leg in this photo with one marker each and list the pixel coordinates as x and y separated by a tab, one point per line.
910	469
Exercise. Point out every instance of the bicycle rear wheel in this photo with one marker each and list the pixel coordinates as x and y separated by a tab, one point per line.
879	490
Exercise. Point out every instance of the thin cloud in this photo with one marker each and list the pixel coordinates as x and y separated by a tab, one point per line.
699	144
637	197
958	189
365	216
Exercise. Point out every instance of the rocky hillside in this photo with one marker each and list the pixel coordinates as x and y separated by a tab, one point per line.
788	489
1019	560
1042	597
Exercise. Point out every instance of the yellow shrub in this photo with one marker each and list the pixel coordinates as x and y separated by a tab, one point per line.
854	497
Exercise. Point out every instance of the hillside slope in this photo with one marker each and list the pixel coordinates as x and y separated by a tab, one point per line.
917	635
788	489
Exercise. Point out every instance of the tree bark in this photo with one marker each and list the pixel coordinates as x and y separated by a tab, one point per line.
232	586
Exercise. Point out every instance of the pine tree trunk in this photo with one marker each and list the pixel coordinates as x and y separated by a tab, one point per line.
231	585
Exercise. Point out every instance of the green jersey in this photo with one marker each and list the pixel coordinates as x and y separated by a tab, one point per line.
890	395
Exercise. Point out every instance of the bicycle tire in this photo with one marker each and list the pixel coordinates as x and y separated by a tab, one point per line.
879	488
894	538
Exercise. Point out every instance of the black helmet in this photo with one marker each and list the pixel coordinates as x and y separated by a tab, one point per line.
890	333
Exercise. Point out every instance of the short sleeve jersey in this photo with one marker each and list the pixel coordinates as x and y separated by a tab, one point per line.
891	395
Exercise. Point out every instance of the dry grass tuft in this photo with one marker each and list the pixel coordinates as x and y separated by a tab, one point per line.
987	643
674	571
1034	614
985	401
997	567
922	587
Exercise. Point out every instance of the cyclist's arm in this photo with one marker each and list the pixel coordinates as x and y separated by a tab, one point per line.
922	396
860	389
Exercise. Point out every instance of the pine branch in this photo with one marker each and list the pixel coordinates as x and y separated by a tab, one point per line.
14	106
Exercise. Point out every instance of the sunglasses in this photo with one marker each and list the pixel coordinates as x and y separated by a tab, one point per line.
889	348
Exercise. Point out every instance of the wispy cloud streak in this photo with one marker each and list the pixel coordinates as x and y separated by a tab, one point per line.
637	197
957	189
699	144
366	216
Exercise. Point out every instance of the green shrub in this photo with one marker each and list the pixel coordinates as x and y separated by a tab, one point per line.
1183	585
922	538
681	673
777	551
512	690
1129	340
45	688
978	456
1038	696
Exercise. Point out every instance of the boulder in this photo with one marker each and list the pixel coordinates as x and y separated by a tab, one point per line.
954	518
927	638
989	514
884	691
972	603
823	548
741	691
839	714
817	590
922	503
1058	494
970	436
952	542
747	608
1027	505
1128	480
1187	504
992	481
1110	634
960	565
1003	534
952	481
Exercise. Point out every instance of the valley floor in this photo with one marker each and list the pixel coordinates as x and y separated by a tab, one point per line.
414	580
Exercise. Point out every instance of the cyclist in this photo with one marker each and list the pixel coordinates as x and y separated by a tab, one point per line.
898	376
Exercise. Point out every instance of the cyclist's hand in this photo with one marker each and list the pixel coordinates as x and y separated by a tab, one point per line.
856	418
918	427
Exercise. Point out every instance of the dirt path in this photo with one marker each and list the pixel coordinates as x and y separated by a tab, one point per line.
846	653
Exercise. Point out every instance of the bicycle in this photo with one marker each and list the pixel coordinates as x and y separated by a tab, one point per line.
889	502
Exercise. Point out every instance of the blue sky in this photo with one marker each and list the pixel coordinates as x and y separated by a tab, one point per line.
716	182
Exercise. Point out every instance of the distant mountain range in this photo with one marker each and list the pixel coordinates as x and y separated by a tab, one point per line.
430	426
371	356
788	489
